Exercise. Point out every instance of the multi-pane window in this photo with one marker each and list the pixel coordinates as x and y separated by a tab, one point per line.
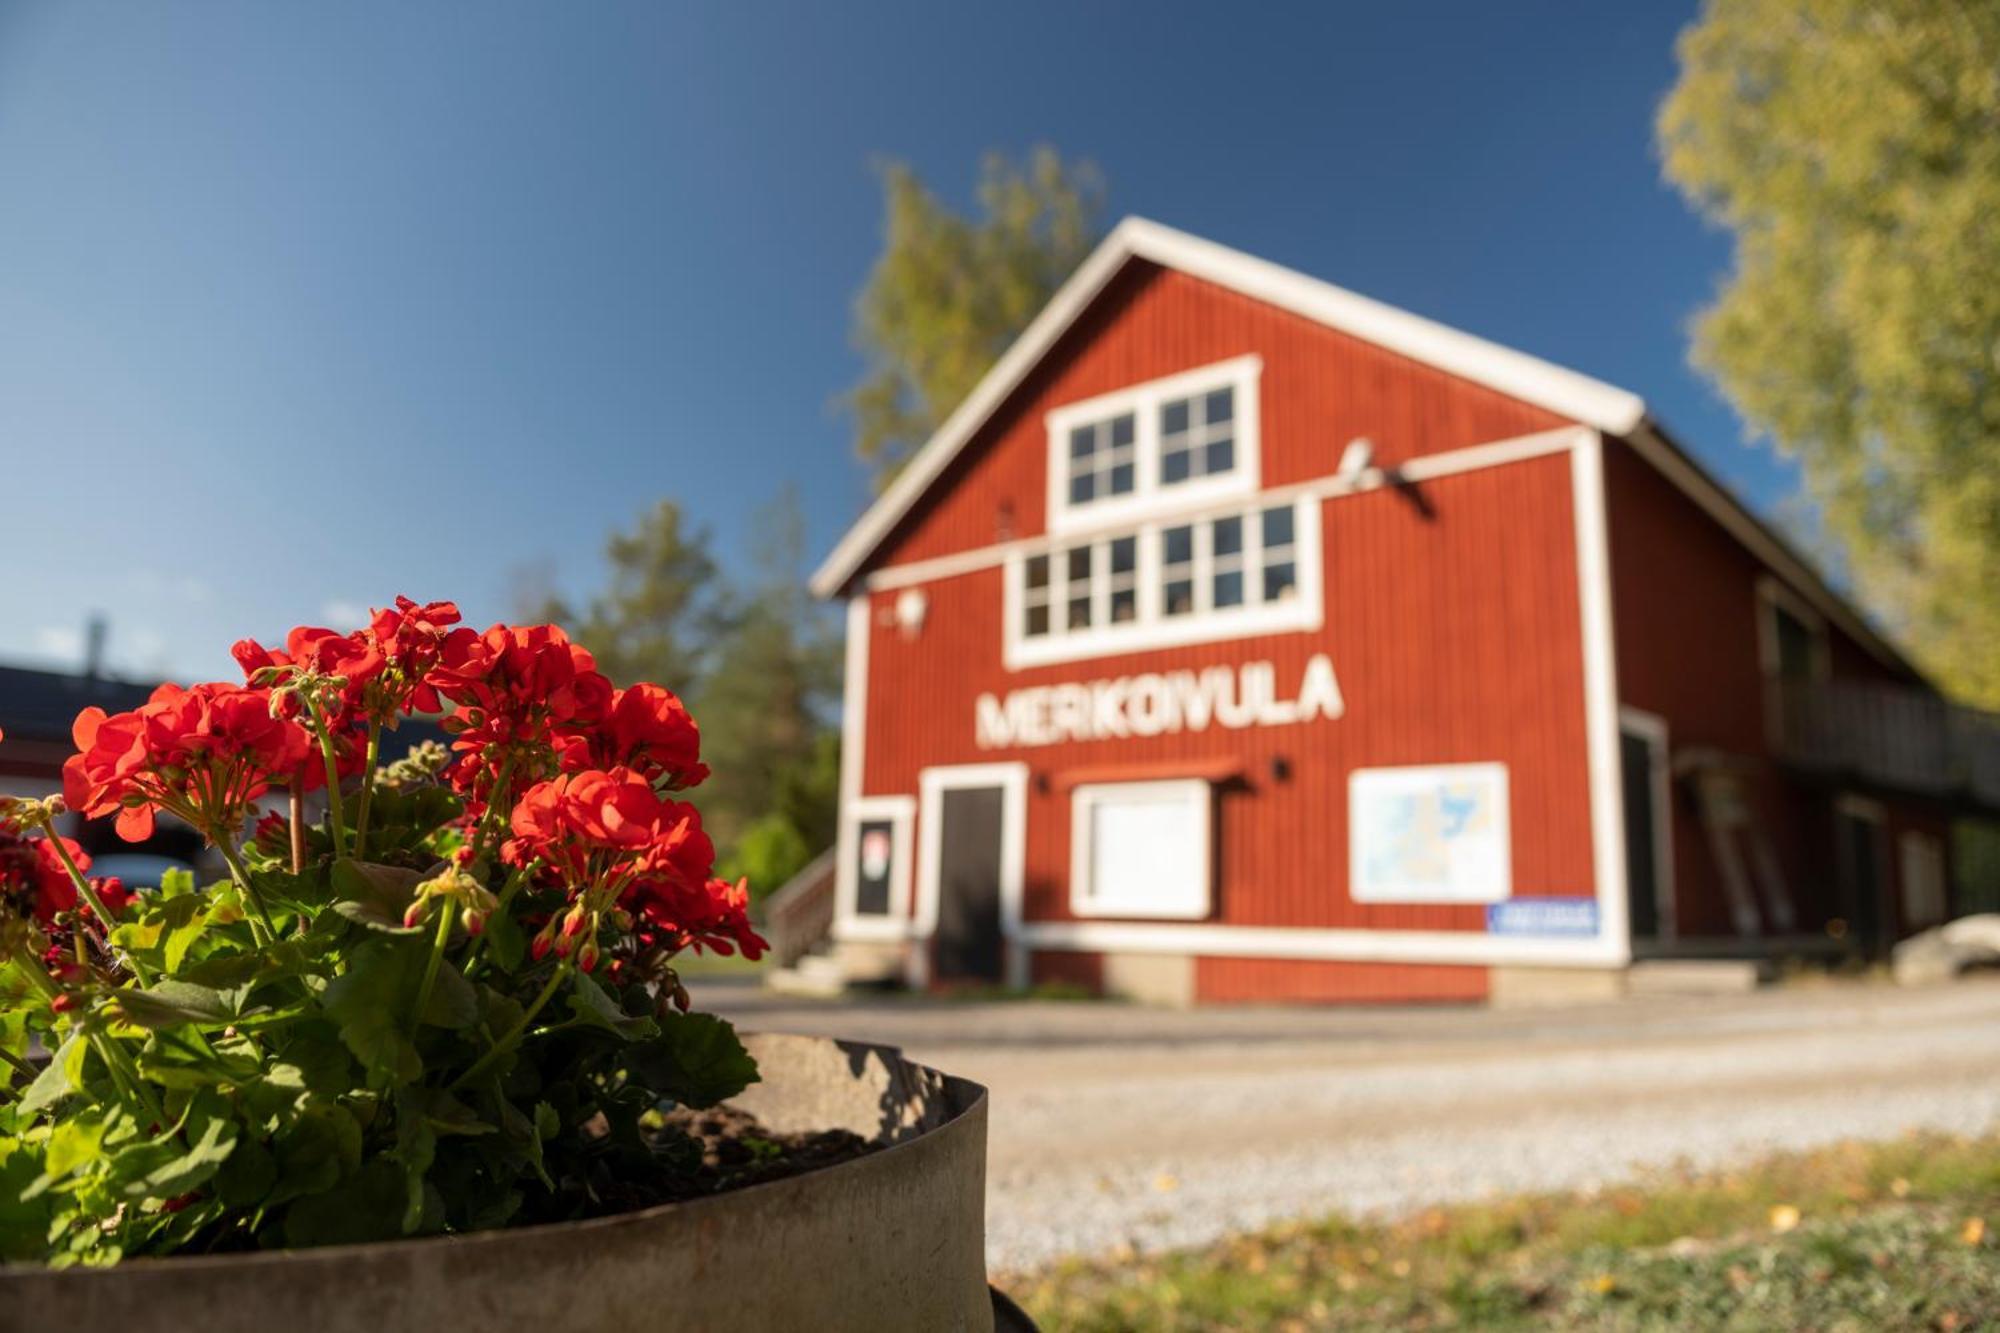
1197	436
1171	443
1281	565
1230	562
1035	597
1228	572
1101	458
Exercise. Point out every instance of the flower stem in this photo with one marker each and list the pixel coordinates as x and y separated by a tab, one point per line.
19	1065
335	817
269	931
507	892
298	813
513	1034
126	1076
431	968
367	786
97	906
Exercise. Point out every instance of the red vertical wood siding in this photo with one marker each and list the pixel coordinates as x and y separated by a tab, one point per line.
1454	635
1321	389
1685	607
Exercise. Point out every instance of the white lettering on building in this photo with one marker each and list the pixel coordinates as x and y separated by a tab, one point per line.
1156	704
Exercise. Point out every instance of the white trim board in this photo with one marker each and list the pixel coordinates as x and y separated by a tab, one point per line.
1429	467
1516	374
1600	696
1473	947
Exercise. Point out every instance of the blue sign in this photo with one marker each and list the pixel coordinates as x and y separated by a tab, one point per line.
1571	917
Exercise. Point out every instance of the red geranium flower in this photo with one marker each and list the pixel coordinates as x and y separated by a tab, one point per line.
204	754
648	730
516	687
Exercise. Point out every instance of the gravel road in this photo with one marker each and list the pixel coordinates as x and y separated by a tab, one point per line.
1117	1126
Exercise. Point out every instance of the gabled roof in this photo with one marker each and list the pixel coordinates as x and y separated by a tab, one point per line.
1516	374
41	705
1604	407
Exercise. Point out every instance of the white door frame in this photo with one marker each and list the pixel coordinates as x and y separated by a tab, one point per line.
1652	728
932	784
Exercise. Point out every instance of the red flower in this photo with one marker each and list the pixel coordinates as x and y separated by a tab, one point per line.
518	688
33	881
411	638
646	729
626	853
204	754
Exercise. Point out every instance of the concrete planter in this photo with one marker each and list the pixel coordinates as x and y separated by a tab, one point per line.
894	1240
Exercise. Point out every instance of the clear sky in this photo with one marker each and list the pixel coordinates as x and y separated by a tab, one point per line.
302	306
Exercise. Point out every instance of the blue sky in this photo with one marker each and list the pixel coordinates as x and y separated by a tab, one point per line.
305	306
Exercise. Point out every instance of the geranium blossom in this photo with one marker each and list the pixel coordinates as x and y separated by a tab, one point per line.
646	729
615	843
204	754
517	689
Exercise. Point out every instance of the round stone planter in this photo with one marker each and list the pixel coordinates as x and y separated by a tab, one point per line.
893	1240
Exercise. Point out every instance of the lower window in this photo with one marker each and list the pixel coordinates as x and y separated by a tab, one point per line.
1140	849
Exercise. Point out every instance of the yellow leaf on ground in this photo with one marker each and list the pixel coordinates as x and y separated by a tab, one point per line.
1974	1230
1784	1217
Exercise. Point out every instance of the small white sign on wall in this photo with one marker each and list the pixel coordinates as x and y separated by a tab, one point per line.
1437	834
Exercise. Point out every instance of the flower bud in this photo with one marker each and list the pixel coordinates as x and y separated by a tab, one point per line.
473	921
586	957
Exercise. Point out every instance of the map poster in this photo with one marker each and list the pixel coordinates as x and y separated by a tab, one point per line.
1436	834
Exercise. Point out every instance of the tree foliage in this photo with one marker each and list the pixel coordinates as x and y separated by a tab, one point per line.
756	658
949	292
1853	148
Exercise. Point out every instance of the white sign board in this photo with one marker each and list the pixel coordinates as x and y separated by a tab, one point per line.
1429	835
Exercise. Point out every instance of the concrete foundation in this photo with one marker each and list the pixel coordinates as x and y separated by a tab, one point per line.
1540	987
1151	978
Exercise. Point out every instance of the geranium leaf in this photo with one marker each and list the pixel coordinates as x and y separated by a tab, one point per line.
315	1152
171	1003
695	1060
60	1077
208	1148
375	895
368	1001
453	1002
596	1008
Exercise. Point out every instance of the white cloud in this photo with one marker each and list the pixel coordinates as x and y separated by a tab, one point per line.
343	615
60	643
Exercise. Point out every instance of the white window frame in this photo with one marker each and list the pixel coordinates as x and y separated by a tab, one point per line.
900	812
1144	401
1084	801
1151	629
1425	775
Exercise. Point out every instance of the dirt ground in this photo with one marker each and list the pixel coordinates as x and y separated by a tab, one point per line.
1115	1125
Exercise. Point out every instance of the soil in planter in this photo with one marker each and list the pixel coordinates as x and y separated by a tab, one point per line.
736	1151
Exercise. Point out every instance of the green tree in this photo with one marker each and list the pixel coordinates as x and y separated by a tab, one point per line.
1853	148
949	292
764	708
664	608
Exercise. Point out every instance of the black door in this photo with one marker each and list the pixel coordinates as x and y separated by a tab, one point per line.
1642	859
968	926
1863	860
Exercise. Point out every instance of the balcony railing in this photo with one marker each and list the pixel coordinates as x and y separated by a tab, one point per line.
1889	736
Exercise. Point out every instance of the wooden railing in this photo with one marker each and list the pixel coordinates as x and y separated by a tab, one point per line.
1889	736
799	916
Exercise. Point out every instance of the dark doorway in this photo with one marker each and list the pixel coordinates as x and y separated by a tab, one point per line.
1640	768
1863	859
968	921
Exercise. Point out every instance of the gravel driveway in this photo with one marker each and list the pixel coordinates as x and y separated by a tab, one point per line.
1119	1126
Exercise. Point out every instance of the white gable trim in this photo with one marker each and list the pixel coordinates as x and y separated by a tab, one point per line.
1565	392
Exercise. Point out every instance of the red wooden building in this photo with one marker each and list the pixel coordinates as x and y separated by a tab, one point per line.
1243	638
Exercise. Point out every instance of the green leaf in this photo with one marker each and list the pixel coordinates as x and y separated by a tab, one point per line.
453	1002
375	895
594	1007
368	1002
61	1076
208	1149
176	884
165	930
315	1152
695	1060
73	1142
371	1206
171	1003
248	1176
505	943
324	1062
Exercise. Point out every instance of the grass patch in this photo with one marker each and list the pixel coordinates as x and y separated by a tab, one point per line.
1859	1236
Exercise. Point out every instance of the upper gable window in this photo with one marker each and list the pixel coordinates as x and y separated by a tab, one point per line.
1159	445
